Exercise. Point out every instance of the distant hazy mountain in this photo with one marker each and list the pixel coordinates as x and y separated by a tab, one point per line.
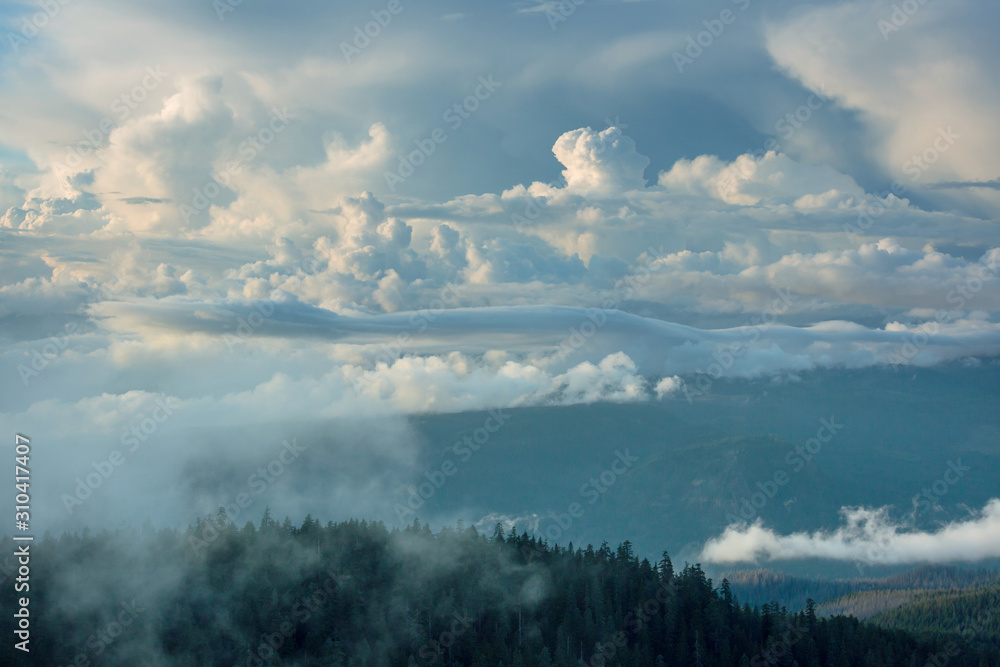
693	467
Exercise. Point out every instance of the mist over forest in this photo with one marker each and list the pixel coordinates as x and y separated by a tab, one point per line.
355	593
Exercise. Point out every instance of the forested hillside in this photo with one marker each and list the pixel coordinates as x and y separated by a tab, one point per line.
700	464
355	593
974	612
866	604
760	586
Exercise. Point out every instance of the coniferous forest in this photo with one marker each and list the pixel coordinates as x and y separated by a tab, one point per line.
357	593
759	586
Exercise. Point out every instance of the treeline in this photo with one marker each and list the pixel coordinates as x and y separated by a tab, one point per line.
942	577
974	613
357	593
760	586
866	604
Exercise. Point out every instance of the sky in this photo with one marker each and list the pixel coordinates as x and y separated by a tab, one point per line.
231	225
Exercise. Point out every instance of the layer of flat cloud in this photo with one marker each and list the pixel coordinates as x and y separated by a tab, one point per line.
561	334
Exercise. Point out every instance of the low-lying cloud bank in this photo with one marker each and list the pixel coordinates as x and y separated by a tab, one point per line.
557	338
868	536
